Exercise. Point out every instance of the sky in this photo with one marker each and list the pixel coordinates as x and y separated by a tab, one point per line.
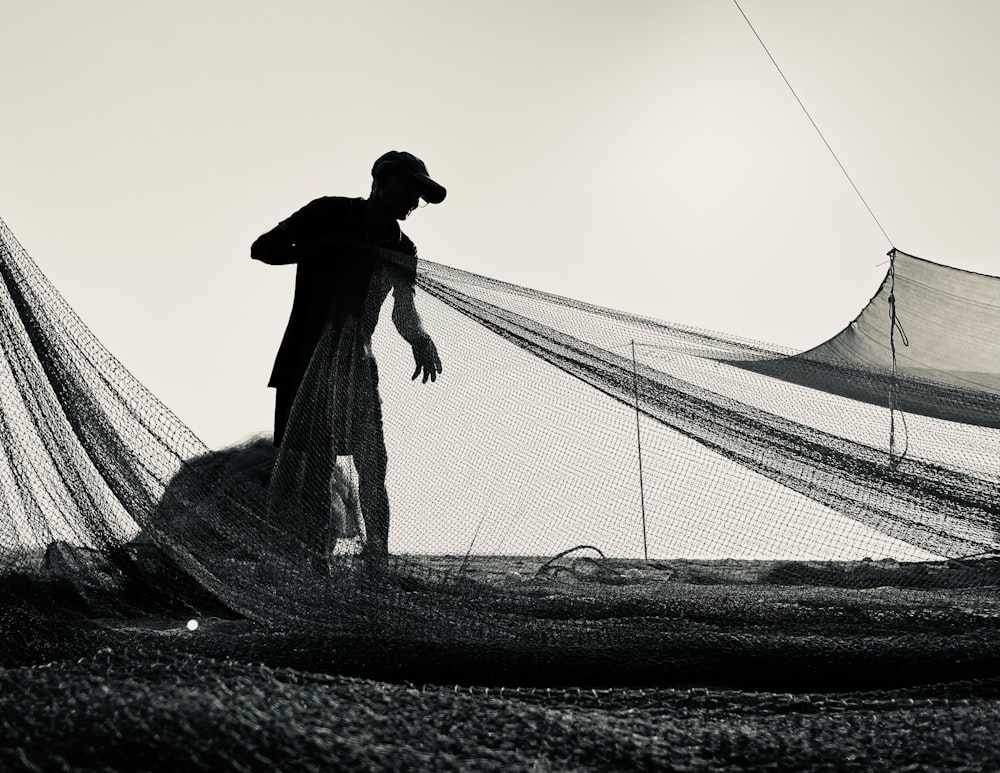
643	155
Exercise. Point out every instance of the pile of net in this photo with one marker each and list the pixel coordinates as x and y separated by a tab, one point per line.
164	711
584	496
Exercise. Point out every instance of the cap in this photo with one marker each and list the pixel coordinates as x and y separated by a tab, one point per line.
431	192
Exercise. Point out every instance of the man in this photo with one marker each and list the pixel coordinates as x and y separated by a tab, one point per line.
350	253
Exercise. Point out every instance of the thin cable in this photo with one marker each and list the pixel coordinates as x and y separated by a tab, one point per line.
842	169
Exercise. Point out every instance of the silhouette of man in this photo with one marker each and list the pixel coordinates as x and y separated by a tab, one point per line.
350	253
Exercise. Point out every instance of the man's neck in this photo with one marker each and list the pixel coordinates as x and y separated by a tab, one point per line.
378	224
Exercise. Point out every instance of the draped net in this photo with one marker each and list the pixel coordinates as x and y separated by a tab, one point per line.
556	425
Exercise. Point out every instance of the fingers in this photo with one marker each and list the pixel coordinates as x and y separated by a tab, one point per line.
427	360
429	369
434	360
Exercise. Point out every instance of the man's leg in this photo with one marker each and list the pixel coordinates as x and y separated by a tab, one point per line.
284	396
370	459
303	503
371	464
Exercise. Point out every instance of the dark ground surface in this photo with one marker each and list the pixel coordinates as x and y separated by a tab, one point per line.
686	666
147	710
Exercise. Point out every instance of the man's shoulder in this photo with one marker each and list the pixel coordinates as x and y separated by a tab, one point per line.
334	205
320	215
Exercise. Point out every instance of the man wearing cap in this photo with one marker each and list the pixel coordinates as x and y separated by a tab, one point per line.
350	254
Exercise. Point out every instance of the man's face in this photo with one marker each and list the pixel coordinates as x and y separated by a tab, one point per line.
399	194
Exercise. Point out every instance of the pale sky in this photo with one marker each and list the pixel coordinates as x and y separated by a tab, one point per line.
641	155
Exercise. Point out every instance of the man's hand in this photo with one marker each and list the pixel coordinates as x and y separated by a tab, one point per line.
426	357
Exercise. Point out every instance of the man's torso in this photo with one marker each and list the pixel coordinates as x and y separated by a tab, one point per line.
333	287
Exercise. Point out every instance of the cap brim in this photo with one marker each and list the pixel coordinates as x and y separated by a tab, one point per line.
431	192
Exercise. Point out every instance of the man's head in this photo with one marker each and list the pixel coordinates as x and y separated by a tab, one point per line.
400	180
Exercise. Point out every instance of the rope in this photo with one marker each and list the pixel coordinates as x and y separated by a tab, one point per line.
895	325
787	83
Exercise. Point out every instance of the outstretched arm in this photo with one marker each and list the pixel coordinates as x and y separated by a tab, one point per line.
408	323
277	248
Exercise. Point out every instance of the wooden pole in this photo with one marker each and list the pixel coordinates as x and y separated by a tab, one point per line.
638	440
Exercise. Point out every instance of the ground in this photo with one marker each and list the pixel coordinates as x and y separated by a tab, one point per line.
147	710
679	666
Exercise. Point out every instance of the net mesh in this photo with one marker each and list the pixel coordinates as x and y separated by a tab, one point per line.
580	483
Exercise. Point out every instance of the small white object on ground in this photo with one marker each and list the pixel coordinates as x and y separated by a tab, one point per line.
192	625
633	574
513	578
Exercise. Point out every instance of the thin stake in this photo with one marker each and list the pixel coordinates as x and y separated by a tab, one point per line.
638	440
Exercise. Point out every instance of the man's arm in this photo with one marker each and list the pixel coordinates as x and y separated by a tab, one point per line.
295	239
275	248
408	323
404	313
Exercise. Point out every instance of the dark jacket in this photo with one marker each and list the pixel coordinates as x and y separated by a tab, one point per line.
331	278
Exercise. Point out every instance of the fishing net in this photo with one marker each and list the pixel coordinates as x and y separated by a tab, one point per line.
584	495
